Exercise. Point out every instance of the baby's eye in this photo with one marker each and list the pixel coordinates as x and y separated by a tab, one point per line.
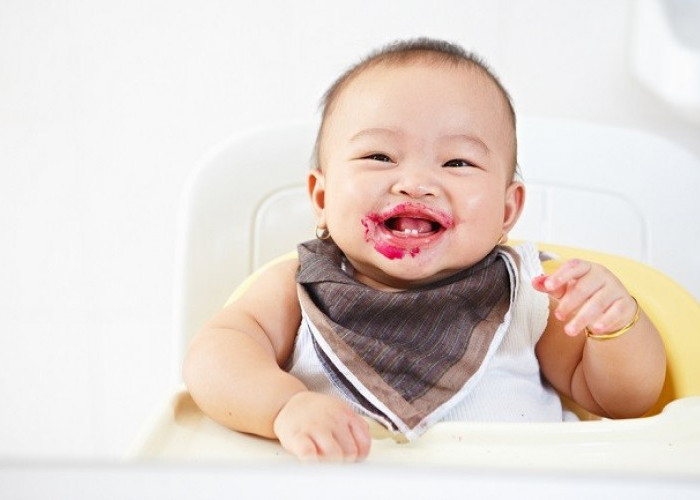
377	157
458	163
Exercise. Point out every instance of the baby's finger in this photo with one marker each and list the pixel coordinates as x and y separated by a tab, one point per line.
617	316
569	271
346	441
363	438
590	311
327	446
302	446
538	284
576	295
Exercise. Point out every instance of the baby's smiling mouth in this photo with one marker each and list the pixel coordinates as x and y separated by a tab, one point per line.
411	226
405	229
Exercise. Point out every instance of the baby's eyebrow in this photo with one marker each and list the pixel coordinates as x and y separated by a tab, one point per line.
471	139
460	137
369	132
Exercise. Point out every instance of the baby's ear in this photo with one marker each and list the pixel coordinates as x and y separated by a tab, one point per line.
316	185
515	198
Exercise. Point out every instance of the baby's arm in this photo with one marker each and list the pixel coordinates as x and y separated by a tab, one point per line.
618	377
232	370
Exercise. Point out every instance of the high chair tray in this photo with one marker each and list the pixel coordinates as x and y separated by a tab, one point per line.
665	445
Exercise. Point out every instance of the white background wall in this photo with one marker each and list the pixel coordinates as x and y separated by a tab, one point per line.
106	106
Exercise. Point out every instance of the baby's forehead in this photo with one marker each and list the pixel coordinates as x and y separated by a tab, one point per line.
386	69
466	83
469	76
409	86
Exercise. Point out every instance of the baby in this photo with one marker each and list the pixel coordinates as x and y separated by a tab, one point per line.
409	308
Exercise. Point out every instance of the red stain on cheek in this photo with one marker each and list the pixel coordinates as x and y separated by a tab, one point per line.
371	223
373	218
366	223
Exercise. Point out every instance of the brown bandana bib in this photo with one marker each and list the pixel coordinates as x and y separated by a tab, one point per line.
404	357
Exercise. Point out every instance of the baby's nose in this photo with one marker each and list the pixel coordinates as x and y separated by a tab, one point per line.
418	191
416	186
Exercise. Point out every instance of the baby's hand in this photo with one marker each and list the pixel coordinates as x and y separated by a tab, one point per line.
588	294
314	426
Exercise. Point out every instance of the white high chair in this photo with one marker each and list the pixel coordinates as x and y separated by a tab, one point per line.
610	190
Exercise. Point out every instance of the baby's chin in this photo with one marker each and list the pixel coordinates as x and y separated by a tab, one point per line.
400	274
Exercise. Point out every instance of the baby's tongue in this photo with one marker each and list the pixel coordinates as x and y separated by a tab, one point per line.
412	224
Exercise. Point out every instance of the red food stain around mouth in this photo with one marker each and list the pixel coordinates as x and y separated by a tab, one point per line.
403	229
392	252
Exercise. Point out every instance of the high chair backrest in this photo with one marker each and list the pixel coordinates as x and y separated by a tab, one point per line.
613	190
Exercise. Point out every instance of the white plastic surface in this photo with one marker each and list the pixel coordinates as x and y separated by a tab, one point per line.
666	445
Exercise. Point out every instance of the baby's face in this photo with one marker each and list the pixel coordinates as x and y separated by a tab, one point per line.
417	173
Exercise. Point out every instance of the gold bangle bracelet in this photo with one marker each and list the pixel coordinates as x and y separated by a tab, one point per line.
624	329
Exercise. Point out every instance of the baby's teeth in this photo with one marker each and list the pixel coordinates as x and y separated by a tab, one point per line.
410	231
